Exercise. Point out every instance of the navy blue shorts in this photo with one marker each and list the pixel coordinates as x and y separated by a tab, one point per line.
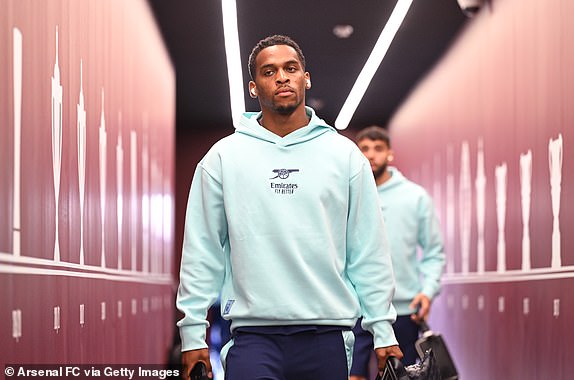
291	353
362	351
406	332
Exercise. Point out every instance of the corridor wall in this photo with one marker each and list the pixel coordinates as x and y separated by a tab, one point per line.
489	133
87	123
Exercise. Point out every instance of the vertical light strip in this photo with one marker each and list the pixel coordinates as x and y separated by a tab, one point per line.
17	91
372	64
234	73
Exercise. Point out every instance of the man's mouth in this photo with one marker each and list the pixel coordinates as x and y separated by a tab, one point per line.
284	91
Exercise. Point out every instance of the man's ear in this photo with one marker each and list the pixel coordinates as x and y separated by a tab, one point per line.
252	90
307	80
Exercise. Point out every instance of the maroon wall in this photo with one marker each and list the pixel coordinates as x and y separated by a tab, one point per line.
87	106
192	144
488	133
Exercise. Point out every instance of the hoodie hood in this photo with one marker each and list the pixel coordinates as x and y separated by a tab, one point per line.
249	125
396	179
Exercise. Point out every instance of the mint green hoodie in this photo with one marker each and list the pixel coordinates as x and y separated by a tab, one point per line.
411	223
286	230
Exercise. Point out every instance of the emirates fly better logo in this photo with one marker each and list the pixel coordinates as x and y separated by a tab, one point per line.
281	187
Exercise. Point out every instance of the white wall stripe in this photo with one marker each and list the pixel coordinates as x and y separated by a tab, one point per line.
49	267
510	276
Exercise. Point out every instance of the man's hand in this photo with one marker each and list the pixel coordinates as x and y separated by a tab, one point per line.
190	358
383	354
422	304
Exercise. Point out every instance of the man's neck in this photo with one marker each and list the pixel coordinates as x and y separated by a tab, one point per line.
383	177
282	125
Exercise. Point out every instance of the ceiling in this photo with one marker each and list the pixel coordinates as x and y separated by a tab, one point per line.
193	32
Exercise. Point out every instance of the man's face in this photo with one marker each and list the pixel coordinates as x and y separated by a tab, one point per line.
280	80
378	154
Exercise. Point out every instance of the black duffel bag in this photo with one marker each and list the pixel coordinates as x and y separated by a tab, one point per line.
427	369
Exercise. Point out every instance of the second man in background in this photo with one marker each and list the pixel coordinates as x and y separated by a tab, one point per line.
411	223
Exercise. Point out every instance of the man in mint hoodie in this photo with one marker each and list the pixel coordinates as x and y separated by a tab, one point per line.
282	224
411	223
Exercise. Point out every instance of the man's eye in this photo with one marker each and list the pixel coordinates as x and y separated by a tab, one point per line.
291	69
268	73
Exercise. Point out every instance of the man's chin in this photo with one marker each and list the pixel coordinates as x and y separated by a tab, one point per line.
379	171
285	110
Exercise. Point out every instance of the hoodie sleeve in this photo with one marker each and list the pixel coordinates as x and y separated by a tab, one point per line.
430	240
368	258
202	263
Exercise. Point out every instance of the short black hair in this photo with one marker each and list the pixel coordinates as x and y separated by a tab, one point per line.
374	132
276	39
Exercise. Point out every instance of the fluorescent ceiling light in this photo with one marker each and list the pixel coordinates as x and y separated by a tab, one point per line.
234	71
372	64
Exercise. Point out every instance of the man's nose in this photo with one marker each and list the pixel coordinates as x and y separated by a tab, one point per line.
281	77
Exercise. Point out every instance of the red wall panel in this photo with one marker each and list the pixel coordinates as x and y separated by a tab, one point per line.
501	98
87	97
